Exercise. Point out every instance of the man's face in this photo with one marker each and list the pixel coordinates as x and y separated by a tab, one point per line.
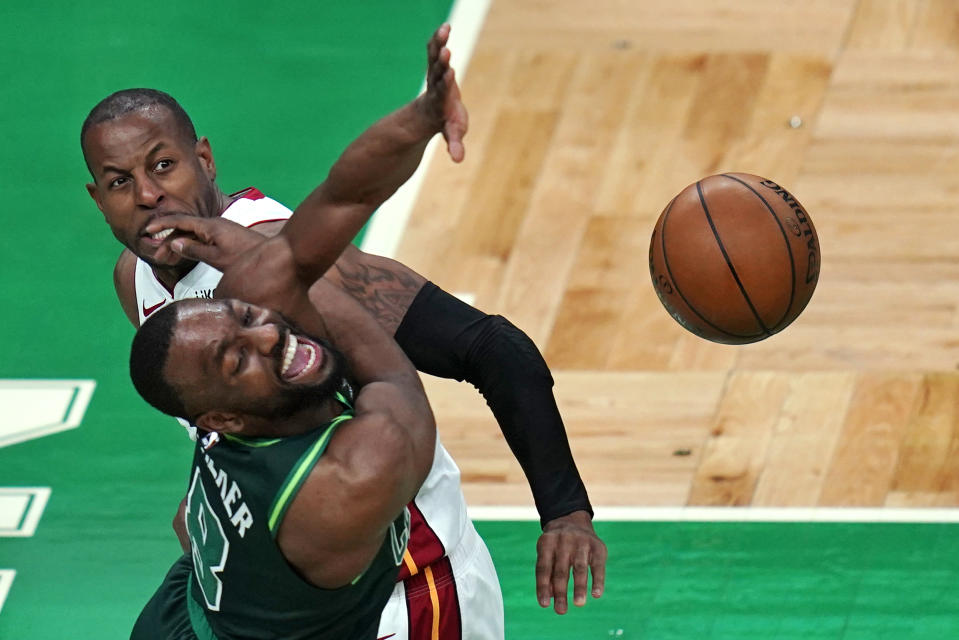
144	166
234	357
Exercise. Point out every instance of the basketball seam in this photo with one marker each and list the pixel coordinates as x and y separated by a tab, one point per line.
676	283
792	262
729	263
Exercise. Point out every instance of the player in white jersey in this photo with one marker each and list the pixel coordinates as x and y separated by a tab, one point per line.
148	164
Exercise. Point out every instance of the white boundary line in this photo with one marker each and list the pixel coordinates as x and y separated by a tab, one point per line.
71	420
84	393
32	518
386	228
6	581
736	514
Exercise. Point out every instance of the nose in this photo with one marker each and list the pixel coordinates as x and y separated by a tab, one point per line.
263	338
149	194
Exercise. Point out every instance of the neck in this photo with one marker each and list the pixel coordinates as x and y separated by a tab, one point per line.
170	275
220	200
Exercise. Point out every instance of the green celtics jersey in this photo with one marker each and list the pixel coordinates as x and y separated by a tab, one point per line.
242	586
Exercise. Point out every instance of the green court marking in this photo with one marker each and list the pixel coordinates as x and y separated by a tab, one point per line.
26	510
746	581
73	398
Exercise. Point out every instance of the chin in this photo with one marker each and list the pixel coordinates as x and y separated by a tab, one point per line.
172	261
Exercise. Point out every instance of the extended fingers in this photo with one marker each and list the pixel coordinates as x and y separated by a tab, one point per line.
558	554
580	575
436	73
597	566
456	118
437	42
560	580
544	569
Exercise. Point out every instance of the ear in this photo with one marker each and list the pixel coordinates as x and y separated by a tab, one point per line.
204	153
92	190
221	422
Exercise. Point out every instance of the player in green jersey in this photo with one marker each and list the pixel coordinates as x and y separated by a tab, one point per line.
296	503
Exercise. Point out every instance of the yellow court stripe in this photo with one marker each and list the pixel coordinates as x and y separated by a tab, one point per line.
408	559
435	599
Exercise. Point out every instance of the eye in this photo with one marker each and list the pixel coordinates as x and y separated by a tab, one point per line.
163	165
240	360
248	317
118	182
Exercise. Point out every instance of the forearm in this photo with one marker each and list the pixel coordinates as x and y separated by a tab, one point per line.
445	337
383	157
368	172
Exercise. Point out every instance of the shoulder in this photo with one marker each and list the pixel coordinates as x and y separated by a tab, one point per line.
269	228
124	282
256	211
338	520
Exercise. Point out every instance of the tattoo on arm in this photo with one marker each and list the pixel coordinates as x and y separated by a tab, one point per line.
384	292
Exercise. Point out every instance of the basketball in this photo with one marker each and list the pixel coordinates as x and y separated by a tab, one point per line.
734	258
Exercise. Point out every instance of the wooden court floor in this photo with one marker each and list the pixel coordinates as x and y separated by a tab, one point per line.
586	118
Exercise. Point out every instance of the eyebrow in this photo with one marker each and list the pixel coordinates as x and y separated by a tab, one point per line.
107	168
221	344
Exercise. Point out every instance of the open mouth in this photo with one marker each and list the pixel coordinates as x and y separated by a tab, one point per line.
301	358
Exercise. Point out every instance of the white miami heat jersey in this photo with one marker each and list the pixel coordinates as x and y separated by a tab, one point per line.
438	514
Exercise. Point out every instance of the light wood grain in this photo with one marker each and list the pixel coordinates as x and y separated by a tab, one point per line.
587	118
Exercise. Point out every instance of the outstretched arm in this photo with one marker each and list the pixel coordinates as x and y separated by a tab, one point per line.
365	175
446	337
377	163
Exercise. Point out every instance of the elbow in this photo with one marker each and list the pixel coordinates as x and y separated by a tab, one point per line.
503	352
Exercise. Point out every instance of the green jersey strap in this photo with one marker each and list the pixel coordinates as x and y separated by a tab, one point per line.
300	471
343	400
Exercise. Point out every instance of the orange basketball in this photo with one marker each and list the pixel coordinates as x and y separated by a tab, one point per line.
734	258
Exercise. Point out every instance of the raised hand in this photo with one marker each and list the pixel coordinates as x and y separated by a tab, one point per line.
442	102
569	543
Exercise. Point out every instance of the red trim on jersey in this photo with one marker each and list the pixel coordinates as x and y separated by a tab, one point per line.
424	546
250	193
265	221
419	604
160	282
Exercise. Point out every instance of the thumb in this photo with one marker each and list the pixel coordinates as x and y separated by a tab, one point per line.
456	150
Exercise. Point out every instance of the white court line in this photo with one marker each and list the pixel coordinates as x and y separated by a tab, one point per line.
386	228
735	514
34	499
6	581
27	421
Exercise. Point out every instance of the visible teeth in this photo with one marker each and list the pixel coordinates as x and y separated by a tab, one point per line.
291	347
288	356
160	235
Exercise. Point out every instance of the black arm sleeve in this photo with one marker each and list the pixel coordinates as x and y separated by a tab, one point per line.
446	337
